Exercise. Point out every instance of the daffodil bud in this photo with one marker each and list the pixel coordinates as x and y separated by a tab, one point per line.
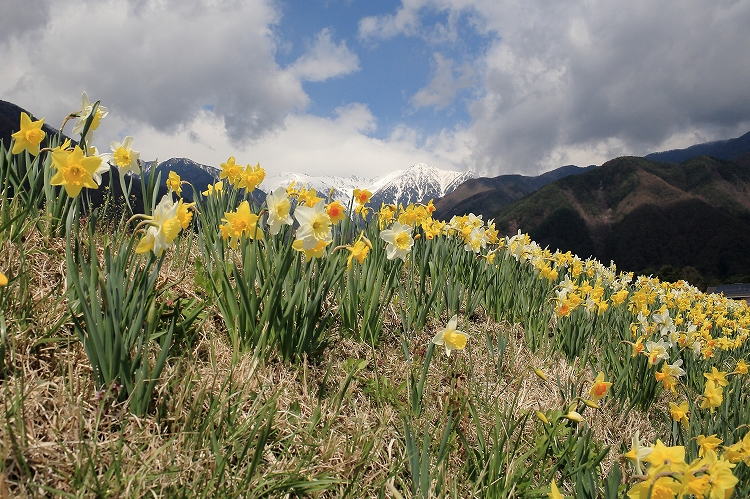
574	416
540	373
590	403
542	417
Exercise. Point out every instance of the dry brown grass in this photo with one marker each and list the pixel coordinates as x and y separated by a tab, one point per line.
58	433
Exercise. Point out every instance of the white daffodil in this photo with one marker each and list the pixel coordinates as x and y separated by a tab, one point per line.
450	337
164	227
314	225
398	239
124	157
278	210
103	167
83	115
638	452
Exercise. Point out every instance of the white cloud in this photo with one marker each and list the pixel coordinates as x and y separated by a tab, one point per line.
445	84
158	62
584	79
325	60
572	81
305	143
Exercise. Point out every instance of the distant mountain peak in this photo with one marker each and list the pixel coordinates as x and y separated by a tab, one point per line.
417	184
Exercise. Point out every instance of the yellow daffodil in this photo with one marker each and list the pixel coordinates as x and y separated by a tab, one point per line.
216	188
174	183
29	136
398	239
359	250
722	479
540	374
542	417
662	455
317	251
574	416
74	170
362	196
336	211
694	479
679	412
308	197
599	388
655	487
713	396
251	177
718	377
450	337
3	280
710	443
241	222
231	171
184	214
741	367
554	492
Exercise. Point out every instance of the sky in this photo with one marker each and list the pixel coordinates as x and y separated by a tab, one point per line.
363	87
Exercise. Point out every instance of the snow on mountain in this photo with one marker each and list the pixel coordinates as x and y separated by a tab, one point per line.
417	184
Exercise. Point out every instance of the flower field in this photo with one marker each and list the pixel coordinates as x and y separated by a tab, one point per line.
303	348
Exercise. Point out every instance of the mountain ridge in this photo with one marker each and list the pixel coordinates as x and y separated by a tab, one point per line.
611	210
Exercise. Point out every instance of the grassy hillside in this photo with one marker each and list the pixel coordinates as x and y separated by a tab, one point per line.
289	349
645	214
482	195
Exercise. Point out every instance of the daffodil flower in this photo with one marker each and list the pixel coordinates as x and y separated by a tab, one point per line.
336	211
712	396
710	443
231	171
359	251
29	136
316	251
174	183
314	225
450	337
251	177
163	228
574	416
599	388
362	196
124	157
216	188
74	170
278	210
399	241
554	492
638	452
83	114
679	412
239	223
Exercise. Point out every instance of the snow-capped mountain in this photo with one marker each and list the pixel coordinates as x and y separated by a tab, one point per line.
417	184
